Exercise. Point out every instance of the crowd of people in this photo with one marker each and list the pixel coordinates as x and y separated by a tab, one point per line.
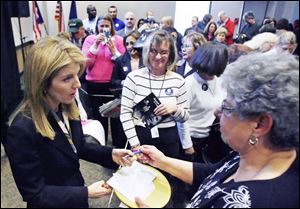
228	109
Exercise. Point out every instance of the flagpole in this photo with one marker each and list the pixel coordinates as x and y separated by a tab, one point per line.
46	29
21	37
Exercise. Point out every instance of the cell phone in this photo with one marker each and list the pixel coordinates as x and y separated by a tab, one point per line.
106	32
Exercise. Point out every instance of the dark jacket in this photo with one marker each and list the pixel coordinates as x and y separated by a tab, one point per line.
121	69
181	67
46	171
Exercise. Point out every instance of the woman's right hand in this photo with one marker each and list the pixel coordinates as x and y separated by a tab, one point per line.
98	189
99	38
151	155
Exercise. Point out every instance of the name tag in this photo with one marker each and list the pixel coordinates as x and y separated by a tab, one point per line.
154	132
125	68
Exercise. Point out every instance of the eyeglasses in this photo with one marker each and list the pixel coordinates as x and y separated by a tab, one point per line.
130	43
186	46
162	53
225	109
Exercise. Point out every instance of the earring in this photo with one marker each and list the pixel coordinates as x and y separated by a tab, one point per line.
252	140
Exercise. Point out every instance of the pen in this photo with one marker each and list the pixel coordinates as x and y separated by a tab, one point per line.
136	152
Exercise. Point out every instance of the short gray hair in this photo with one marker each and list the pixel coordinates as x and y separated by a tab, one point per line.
267	84
222	13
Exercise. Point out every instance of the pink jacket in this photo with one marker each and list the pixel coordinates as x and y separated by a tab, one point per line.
100	66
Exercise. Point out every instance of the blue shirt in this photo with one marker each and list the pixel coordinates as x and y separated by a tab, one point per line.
119	24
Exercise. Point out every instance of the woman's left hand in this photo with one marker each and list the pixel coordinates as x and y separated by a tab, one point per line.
123	157
112	47
165	109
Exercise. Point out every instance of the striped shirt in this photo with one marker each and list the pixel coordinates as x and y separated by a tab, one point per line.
169	89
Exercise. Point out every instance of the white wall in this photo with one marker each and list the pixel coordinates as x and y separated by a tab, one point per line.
277	9
185	10
139	8
232	8
160	8
26	28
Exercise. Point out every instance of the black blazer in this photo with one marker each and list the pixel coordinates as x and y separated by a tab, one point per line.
46	171
121	69
180	67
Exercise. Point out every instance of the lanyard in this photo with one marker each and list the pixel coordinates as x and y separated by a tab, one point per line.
65	127
161	84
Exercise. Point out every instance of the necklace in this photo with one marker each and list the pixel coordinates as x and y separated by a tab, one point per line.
161	84
204	87
204	84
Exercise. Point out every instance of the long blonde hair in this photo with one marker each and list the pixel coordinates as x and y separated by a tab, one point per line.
46	58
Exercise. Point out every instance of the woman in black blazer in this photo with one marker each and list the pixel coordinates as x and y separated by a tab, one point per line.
45	138
129	61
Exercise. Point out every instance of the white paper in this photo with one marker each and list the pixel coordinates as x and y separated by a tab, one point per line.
133	181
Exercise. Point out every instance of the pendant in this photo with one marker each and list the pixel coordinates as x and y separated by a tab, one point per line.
204	87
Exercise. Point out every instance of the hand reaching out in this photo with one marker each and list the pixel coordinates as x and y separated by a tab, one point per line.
151	155
122	157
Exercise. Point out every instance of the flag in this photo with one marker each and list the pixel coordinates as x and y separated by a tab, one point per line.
59	16
37	20
73	11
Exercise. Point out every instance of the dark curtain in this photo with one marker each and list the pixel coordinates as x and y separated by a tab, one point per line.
11	93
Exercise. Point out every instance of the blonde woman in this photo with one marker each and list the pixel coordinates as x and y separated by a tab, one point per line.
190	43
220	35
45	139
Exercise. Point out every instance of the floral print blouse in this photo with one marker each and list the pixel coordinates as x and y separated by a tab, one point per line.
279	192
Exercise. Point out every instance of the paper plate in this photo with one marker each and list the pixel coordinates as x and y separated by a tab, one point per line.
158	198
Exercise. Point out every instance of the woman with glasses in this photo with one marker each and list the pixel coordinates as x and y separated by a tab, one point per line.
260	121
102	49
159	57
190	43
130	61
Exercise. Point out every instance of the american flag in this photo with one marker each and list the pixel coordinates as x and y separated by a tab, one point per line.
59	16
37	19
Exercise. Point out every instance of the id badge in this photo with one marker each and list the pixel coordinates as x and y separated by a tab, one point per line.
154	132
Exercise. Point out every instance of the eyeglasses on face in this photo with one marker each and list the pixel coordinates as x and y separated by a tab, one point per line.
226	109
154	52
130	43
187	46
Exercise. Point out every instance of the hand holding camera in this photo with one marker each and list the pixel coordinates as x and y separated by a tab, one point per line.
106	32
99	38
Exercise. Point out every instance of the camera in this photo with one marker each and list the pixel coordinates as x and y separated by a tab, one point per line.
106	32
